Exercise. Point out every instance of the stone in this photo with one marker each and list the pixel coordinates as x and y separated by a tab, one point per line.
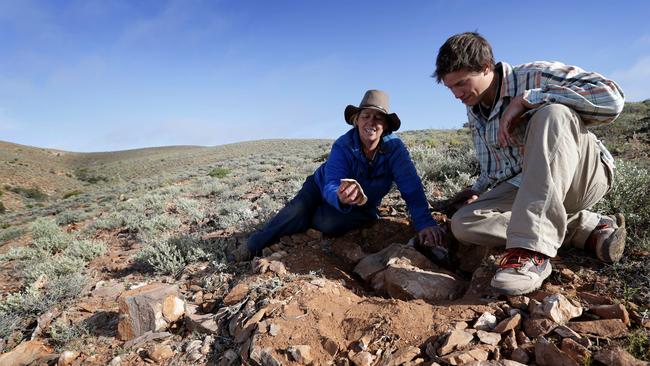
519	302
490	338
486	322
535	308
538	327
193	346
229	358
362	358
300	354
201	323
403	355
510	363
521	337
575	350
108	290
560	309
274	329
348	251
236	295
547	354
244	332
116	361
615	311
607	328
455	339
406	282
330	346
617	356
465	357
460	325
509	342
160	352
278	268
508	324
567	274
66	358
520	355
149	336
593	299
207	345
173	308
377	262
314	234
26	353
566	332
140	310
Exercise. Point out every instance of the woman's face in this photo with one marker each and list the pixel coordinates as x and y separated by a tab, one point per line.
371	124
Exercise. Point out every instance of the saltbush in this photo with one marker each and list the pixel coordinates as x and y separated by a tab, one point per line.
219	172
630	196
170	255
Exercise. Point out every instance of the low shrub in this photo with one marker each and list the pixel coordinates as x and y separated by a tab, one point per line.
219	172
2	208
170	255
89	176
73	193
10	233
33	193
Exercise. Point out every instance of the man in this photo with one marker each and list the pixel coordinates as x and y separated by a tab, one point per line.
541	169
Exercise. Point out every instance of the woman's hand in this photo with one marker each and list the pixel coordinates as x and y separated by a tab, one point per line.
432	236
350	193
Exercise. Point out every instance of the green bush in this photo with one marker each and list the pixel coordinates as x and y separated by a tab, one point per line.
89	176
171	255
10	233
219	172
33	193
69	217
2	208
48	237
65	335
73	193
630	196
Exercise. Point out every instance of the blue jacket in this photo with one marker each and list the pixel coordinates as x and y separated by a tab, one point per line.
392	164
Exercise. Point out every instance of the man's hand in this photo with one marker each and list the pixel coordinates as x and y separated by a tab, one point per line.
511	118
432	236
466	196
350	193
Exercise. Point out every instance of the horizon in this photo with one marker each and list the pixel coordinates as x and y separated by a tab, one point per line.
94	76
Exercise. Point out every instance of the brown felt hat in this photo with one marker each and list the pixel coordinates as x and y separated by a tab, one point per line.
377	100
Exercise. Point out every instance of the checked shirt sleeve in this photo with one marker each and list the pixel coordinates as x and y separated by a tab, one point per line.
596	99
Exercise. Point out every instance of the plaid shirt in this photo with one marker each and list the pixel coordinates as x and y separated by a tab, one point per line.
596	99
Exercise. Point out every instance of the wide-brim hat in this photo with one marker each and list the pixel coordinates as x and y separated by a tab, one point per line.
377	100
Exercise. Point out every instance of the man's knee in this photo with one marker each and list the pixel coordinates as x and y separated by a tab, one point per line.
553	113
460	223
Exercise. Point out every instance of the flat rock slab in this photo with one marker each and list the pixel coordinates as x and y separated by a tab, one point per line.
406	282
607	328
377	262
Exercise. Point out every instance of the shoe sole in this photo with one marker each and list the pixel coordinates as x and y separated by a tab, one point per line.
611	251
522	291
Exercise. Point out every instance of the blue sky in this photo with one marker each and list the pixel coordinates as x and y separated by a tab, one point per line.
96	75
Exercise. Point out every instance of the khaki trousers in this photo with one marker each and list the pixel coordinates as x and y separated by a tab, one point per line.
563	176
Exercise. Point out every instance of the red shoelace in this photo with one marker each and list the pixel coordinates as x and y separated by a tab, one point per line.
592	239
516	257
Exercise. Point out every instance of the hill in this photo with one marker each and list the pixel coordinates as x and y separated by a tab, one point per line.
92	245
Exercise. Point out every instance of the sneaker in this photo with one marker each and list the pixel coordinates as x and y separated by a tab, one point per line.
522	271
607	241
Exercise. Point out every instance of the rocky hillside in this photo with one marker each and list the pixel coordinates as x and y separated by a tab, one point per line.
132	269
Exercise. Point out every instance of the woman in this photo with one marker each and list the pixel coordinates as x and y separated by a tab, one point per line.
346	190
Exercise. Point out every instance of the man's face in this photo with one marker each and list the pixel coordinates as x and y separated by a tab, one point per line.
468	86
